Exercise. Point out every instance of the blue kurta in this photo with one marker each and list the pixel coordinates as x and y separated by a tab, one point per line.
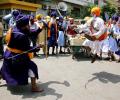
15	70
52	40
61	39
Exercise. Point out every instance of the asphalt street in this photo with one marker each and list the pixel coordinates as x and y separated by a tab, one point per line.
63	78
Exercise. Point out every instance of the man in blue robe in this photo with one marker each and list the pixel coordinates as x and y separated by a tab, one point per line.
52	33
17	69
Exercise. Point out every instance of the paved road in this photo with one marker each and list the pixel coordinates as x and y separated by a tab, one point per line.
65	79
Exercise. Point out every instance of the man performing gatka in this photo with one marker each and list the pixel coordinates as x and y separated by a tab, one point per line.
98	32
16	69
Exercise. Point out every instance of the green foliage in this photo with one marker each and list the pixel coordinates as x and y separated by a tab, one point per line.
109	8
88	9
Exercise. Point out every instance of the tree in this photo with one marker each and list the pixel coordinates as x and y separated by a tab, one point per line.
110	7
88	9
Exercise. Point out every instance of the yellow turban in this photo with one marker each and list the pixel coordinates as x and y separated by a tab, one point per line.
39	16
96	11
47	18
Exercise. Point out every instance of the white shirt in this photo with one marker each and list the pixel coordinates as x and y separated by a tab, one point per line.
98	24
116	30
34	26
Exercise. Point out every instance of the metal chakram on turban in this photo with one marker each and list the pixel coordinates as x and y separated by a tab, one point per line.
22	20
96	11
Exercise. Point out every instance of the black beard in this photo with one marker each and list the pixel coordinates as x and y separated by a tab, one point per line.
26	31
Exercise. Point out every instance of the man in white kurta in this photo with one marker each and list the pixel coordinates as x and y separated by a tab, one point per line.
98	31
117	33
109	45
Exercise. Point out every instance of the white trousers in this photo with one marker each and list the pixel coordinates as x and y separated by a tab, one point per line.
94	45
31	74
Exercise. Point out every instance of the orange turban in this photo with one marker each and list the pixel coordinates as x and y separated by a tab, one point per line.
96	11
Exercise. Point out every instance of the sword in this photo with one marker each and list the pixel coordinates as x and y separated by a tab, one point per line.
24	52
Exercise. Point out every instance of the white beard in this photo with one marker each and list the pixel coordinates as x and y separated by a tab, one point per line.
94	16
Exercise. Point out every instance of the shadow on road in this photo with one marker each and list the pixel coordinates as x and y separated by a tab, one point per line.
24	90
104	77
59	55
42	56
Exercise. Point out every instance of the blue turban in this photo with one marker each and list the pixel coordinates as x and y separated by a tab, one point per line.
115	17
53	14
31	16
22	20
61	17
15	13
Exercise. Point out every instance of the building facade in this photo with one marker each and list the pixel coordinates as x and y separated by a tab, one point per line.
25	6
78	7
